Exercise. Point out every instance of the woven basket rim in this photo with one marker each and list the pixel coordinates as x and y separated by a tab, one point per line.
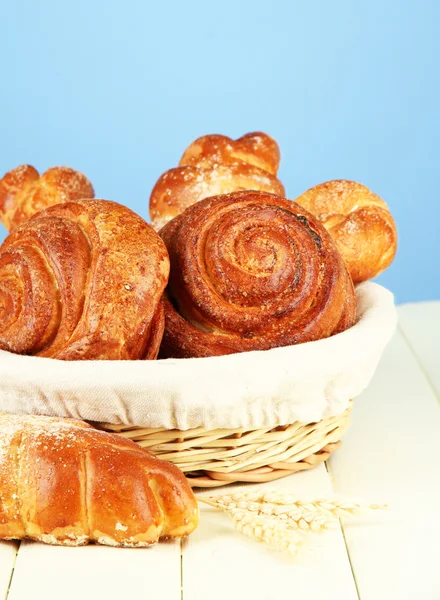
213	458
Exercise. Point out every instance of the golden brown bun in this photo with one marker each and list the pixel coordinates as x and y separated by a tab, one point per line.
256	148
23	192
63	482
216	164
359	222
83	280
251	271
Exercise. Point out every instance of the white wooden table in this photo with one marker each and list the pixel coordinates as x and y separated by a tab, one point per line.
390	454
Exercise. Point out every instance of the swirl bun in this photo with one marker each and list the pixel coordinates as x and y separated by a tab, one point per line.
360	223
216	164
251	271
83	280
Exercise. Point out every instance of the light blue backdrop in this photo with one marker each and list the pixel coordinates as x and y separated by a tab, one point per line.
350	89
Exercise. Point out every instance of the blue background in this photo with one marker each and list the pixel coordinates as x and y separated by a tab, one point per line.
349	89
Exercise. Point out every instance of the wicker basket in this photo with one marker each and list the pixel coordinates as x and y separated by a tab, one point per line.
249	417
212	458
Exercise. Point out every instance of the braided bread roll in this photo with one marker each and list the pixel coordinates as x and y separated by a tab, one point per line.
216	164
359	222
23	192
251	271
83	280
64	482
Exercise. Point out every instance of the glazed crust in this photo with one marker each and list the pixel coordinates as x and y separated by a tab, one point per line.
251	271
360	223
212	165
23	192
64	482
83	280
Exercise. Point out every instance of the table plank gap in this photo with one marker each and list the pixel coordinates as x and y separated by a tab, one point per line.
41	571
235	566
420	326
181	544
8	557
419	362
390	455
346	544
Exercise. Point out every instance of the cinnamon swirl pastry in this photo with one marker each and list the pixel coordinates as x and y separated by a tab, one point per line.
83	280
360	223
23	192
216	164
251	271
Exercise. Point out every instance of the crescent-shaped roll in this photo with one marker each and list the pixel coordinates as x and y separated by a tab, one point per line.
23	192
63	482
360	223
83	280
216	164
251	271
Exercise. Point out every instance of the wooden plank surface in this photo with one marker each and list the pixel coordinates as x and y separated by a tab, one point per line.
51	572
219	562
390	454
420	324
8	552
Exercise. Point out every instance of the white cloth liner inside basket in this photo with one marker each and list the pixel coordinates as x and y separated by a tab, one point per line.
306	382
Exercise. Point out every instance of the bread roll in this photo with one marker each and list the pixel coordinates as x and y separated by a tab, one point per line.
251	271
83	280
63	482
216	164
23	192
359	222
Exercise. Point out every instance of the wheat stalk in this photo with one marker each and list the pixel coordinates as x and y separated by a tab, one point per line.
276	503
291	516
282	519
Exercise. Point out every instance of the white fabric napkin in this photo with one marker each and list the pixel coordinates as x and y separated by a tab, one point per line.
306	382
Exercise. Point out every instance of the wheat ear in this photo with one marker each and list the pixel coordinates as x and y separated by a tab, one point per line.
277	516
276	534
275	503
